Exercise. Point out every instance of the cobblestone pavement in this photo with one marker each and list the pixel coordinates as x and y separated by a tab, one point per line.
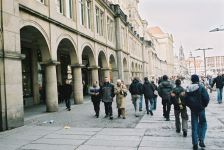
88	133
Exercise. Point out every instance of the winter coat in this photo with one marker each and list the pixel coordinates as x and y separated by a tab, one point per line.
107	92
135	87
219	81
175	100
120	98
66	91
196	97
155	89
95	94
164	89
148	90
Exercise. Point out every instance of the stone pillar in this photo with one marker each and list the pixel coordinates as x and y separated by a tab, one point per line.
95	76
120	64
77	84
51	87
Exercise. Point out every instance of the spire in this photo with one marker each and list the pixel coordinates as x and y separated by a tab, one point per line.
181	53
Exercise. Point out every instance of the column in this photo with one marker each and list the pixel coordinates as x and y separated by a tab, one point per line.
95	76
120	65
51	88
77	84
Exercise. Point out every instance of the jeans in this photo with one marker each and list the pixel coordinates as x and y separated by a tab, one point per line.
166	108
140	102
154	103
184	117
108	109
219	95
96	105
147	100
135	99
199	126
68	103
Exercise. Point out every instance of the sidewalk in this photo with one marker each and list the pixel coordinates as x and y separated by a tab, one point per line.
151	132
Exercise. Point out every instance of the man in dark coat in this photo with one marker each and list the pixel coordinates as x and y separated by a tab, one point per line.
164	90
95	97
66	94
136	90
197	98
219	81
148	92
107	95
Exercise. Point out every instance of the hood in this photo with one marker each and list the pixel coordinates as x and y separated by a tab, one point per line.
135	81
192	88
147	82
165	84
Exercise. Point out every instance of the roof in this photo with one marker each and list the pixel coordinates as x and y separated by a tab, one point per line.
155	30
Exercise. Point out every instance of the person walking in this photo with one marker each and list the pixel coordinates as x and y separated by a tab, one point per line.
148	92
164	90
121	93
141	97
95	97
179	108
155	94
107	94
219	81
136	90
60	99
197	98
66	94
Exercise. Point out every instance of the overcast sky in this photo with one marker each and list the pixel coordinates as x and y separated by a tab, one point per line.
189	21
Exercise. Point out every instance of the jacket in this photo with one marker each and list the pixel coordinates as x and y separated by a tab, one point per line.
219	81
135	87
107	92
178	100
148	90
120	98
196	97
155	89
95	94
164	89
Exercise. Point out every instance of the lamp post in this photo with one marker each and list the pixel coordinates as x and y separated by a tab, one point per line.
217	29
204	49
194	58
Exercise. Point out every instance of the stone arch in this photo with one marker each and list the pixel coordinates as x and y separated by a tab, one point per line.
102	65
113	69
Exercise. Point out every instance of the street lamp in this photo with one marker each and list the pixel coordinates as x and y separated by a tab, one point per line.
194	58
204	49
217	29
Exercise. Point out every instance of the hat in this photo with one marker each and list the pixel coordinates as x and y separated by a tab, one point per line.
194	78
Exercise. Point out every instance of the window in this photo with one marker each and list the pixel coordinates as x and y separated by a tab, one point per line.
59	6
110	29
99	21
88	13
82	12
68	4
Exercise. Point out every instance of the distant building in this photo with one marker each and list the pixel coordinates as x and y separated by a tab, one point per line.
215	65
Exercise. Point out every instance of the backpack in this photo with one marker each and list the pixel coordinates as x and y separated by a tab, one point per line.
194	100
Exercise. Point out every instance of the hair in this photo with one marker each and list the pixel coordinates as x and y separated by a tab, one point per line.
178	82
146	79
165	77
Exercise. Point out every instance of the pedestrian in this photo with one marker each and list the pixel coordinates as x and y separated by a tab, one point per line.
148	92
60	99
179	108
135	90
141	97
155	94
121	93
197	98
107	94
164	90
66	94
95	97
219	81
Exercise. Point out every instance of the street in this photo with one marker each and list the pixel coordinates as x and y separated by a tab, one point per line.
79	129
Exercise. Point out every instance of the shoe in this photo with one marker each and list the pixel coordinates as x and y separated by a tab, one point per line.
111	118
106	116
201	144
151	113
167	119
69	109
118	116
147	113
97	116
140	109
124	117
195	147
178	130
185	133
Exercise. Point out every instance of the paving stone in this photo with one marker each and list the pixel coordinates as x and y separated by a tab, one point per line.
58	141
88	147
48	147
128	132
117	137
113	143
67	136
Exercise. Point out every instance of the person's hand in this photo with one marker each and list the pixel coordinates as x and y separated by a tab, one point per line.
182	93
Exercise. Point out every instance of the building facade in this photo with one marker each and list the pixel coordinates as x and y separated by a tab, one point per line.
45	42
215	65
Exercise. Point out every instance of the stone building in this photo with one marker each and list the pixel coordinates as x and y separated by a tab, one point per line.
45	42
215	65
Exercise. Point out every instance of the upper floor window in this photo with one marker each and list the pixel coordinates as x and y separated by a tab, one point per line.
110	29
68	8
88	13
99	21
85	13
82	12
59	6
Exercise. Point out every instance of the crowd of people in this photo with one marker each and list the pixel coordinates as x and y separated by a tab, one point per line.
194	96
